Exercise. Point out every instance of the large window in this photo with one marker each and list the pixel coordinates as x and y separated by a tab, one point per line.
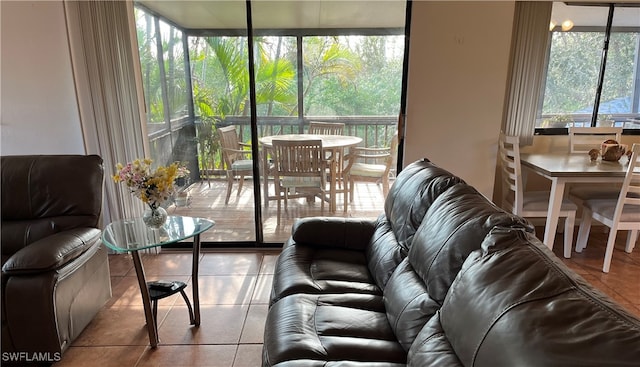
586	83
325	61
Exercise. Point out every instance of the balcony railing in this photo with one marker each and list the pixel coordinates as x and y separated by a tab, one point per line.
375	131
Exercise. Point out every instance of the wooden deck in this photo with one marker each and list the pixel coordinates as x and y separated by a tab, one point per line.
235	221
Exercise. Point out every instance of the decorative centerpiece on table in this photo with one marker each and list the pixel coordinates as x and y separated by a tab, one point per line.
610	150
153	187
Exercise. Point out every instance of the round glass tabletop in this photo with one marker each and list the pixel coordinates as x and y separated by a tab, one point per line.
132	234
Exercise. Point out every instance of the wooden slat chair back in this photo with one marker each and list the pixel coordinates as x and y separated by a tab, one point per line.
583	139
236	158
299	170
326	128
528	204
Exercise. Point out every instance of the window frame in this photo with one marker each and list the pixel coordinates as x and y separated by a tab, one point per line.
608	29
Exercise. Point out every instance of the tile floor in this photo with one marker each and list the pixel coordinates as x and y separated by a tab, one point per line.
234	295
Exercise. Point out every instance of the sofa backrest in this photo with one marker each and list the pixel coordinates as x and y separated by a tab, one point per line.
45	194
411	195
514	303
453	227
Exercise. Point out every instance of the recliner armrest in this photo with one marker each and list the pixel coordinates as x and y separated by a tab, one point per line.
347	233
51	252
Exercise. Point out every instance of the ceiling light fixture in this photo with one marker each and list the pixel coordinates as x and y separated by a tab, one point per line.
567	25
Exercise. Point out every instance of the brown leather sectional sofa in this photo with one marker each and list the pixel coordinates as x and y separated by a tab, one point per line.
55	273
442	278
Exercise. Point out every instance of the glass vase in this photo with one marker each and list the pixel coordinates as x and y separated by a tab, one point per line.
154	217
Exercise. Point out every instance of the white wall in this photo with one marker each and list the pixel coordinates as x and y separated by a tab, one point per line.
458	64
39	112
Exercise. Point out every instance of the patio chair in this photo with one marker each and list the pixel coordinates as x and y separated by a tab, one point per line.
332	128
299	170
529	204
621	213
237	161
371	165
326	128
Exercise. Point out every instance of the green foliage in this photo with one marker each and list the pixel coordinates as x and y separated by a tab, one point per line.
574	66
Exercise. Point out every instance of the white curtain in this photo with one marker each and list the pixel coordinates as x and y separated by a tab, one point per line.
528	53
105	69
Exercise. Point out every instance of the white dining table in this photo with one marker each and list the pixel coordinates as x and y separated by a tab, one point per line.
565	168
333	145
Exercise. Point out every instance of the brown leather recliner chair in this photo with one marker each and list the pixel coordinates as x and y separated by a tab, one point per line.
55	273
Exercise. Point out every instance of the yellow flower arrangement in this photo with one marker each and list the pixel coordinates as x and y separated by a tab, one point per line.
152	187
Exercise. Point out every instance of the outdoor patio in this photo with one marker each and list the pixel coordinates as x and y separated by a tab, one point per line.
235	221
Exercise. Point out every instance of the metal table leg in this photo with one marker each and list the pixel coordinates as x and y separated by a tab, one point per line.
194	279
146	300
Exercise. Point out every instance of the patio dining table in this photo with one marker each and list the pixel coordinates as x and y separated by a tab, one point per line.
331	144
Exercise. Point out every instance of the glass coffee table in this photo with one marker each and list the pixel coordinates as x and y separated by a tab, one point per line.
132	235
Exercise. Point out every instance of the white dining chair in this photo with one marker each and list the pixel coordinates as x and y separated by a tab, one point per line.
529	204
583	139
622	213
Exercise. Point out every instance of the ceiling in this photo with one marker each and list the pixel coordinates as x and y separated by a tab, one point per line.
273	14
349	14
587	16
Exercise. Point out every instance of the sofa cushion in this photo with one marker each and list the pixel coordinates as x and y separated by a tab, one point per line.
455	225
339	327
515	304
411	195
407	303
16	235
38	186
308	269
51	252
432	347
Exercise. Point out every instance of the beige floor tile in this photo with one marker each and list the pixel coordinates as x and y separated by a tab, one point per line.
219	324
253	329
226	289
269	262
120	264
118	326
167	264
248	355
263	289
189	356
220	263
109	356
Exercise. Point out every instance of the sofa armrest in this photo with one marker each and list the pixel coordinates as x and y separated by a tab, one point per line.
51	252
346	233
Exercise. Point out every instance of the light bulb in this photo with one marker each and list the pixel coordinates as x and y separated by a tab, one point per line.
552	25
567	25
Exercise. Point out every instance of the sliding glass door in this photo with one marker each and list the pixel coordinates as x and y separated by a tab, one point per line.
222	81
